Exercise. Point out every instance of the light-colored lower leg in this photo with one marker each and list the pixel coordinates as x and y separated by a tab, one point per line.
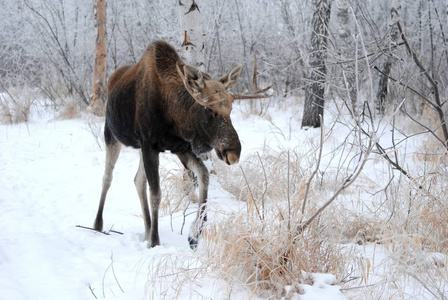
197	166
140	182
112	153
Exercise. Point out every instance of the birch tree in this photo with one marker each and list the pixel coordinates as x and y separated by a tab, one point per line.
193	41
100	66
316	77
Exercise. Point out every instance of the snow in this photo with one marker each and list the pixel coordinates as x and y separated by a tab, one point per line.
322	288
50	181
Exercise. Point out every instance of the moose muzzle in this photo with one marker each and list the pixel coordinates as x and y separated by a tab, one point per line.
230	156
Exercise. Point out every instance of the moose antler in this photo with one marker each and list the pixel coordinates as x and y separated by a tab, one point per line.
256	91
187	86
189	90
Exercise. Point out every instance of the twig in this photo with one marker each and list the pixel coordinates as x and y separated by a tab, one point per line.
91	290
404	85
184	214
265	185
433	82
103	232
395	165
251	195
360	287
347	182
319	157
424	126
289	200
113	271
114	231
111	266
366	56
444	39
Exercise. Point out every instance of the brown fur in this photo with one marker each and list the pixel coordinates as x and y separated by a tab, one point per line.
162	104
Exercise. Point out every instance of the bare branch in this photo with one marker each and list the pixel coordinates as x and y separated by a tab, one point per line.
92	291
404	85
433	82
319	157
346	183
103	232
431	131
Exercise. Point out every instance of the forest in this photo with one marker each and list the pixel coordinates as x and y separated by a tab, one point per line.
345	172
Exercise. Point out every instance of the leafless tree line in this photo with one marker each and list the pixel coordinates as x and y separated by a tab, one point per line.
49	44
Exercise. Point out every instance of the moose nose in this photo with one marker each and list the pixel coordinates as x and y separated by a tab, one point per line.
230	156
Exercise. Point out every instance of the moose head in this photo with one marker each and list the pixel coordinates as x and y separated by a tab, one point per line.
213	114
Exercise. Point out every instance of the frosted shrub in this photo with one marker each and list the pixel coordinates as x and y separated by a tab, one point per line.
15	105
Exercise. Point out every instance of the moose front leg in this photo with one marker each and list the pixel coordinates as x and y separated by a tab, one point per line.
151	164
194	164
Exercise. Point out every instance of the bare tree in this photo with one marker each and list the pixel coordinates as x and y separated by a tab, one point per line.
383	79
348	50
316	77
100	66
60	48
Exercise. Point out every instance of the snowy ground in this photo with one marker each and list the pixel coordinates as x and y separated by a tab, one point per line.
50	178
50	181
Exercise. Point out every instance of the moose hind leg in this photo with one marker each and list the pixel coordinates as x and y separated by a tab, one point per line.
140	181
197	166
151	163
112	152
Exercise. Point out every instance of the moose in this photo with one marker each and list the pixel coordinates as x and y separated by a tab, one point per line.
162	104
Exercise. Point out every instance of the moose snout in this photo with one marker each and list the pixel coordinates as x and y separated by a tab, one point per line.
229	156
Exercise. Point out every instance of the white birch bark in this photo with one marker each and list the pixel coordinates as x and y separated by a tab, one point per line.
193	53
192	33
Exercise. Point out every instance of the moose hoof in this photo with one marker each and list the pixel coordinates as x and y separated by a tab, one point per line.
152	244
193	243
98	225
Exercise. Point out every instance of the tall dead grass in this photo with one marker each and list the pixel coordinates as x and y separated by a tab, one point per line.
16	104
260	247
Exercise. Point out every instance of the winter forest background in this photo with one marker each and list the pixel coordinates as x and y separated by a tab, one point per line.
48	44
385	81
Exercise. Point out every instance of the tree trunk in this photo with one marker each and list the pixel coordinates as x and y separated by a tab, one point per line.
383	80
100	68
193	40
315	89
193	45
348	51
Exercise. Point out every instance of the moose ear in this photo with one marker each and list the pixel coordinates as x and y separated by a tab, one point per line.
194	78
230	78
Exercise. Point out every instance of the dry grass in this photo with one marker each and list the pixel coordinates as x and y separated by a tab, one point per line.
69	111
270	175
169	274
267	255
15	105
260	247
